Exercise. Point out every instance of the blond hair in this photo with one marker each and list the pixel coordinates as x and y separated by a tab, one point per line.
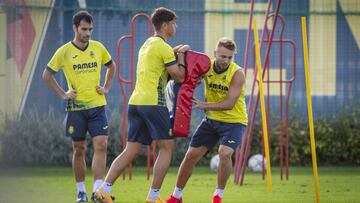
227	43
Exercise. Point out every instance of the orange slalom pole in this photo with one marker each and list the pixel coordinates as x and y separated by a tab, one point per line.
263	112
310	114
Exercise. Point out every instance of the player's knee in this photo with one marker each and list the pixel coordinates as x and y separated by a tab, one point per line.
225	152
134	154
191	156
79	150
132	151
100	146
166	145
225	155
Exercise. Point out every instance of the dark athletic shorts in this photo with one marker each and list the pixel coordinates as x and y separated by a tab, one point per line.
91	120
148	123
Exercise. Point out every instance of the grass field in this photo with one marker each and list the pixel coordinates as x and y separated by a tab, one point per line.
56	185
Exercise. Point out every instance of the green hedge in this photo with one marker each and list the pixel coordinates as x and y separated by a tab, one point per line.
40	140
337	139
35	140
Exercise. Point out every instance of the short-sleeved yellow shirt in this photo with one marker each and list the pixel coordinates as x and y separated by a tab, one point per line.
216	89
151	76
82	70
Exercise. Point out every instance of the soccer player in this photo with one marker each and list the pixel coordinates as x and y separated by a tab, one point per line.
81	61
225	119
148	117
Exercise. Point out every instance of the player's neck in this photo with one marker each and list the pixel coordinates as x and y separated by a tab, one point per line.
161	35
219	70
80	44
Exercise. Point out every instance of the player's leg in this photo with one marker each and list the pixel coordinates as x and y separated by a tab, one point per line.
203	140
158	122
230	138
224	168
130	152
161	166
136	136
76	128
135	139
192	156
98	129
98	161
162	162
79	168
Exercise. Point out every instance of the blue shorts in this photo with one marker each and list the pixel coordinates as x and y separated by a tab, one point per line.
209	132
92	120
148	123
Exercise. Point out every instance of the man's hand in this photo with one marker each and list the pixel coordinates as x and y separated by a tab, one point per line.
70	94
102	90
198	104
183	48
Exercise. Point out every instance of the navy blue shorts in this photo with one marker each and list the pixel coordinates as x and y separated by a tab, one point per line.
92	120
148	123
209	132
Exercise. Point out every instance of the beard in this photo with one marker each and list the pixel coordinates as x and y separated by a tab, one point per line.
222	66
84	39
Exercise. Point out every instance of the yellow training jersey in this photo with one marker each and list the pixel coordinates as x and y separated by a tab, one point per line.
82	70
216	90
151	76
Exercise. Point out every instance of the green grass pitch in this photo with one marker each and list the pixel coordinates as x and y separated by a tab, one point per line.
56	185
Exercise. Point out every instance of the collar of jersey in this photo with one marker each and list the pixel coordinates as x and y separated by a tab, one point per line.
215	69
159	37
79	47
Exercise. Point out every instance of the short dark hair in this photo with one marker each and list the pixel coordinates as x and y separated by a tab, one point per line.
227	43
160	16
82	15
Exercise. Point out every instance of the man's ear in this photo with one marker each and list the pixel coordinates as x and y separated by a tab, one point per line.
74	28
163	25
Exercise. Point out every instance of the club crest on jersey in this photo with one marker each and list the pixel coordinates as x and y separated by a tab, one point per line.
223	78
92	54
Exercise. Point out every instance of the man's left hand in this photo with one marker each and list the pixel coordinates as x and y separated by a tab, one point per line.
198	104
102	90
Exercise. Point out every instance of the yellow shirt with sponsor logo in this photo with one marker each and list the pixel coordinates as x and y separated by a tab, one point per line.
82	68
151	76
216	90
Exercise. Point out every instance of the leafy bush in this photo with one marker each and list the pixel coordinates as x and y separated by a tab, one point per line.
40	140
35	140
337	139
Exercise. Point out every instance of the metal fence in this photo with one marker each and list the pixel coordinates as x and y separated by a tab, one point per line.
32	30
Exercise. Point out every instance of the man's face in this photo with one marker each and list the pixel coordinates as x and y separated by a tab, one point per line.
171	28
223	57
83	31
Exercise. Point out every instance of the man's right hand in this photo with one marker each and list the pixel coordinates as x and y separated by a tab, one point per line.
70	94
183	48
